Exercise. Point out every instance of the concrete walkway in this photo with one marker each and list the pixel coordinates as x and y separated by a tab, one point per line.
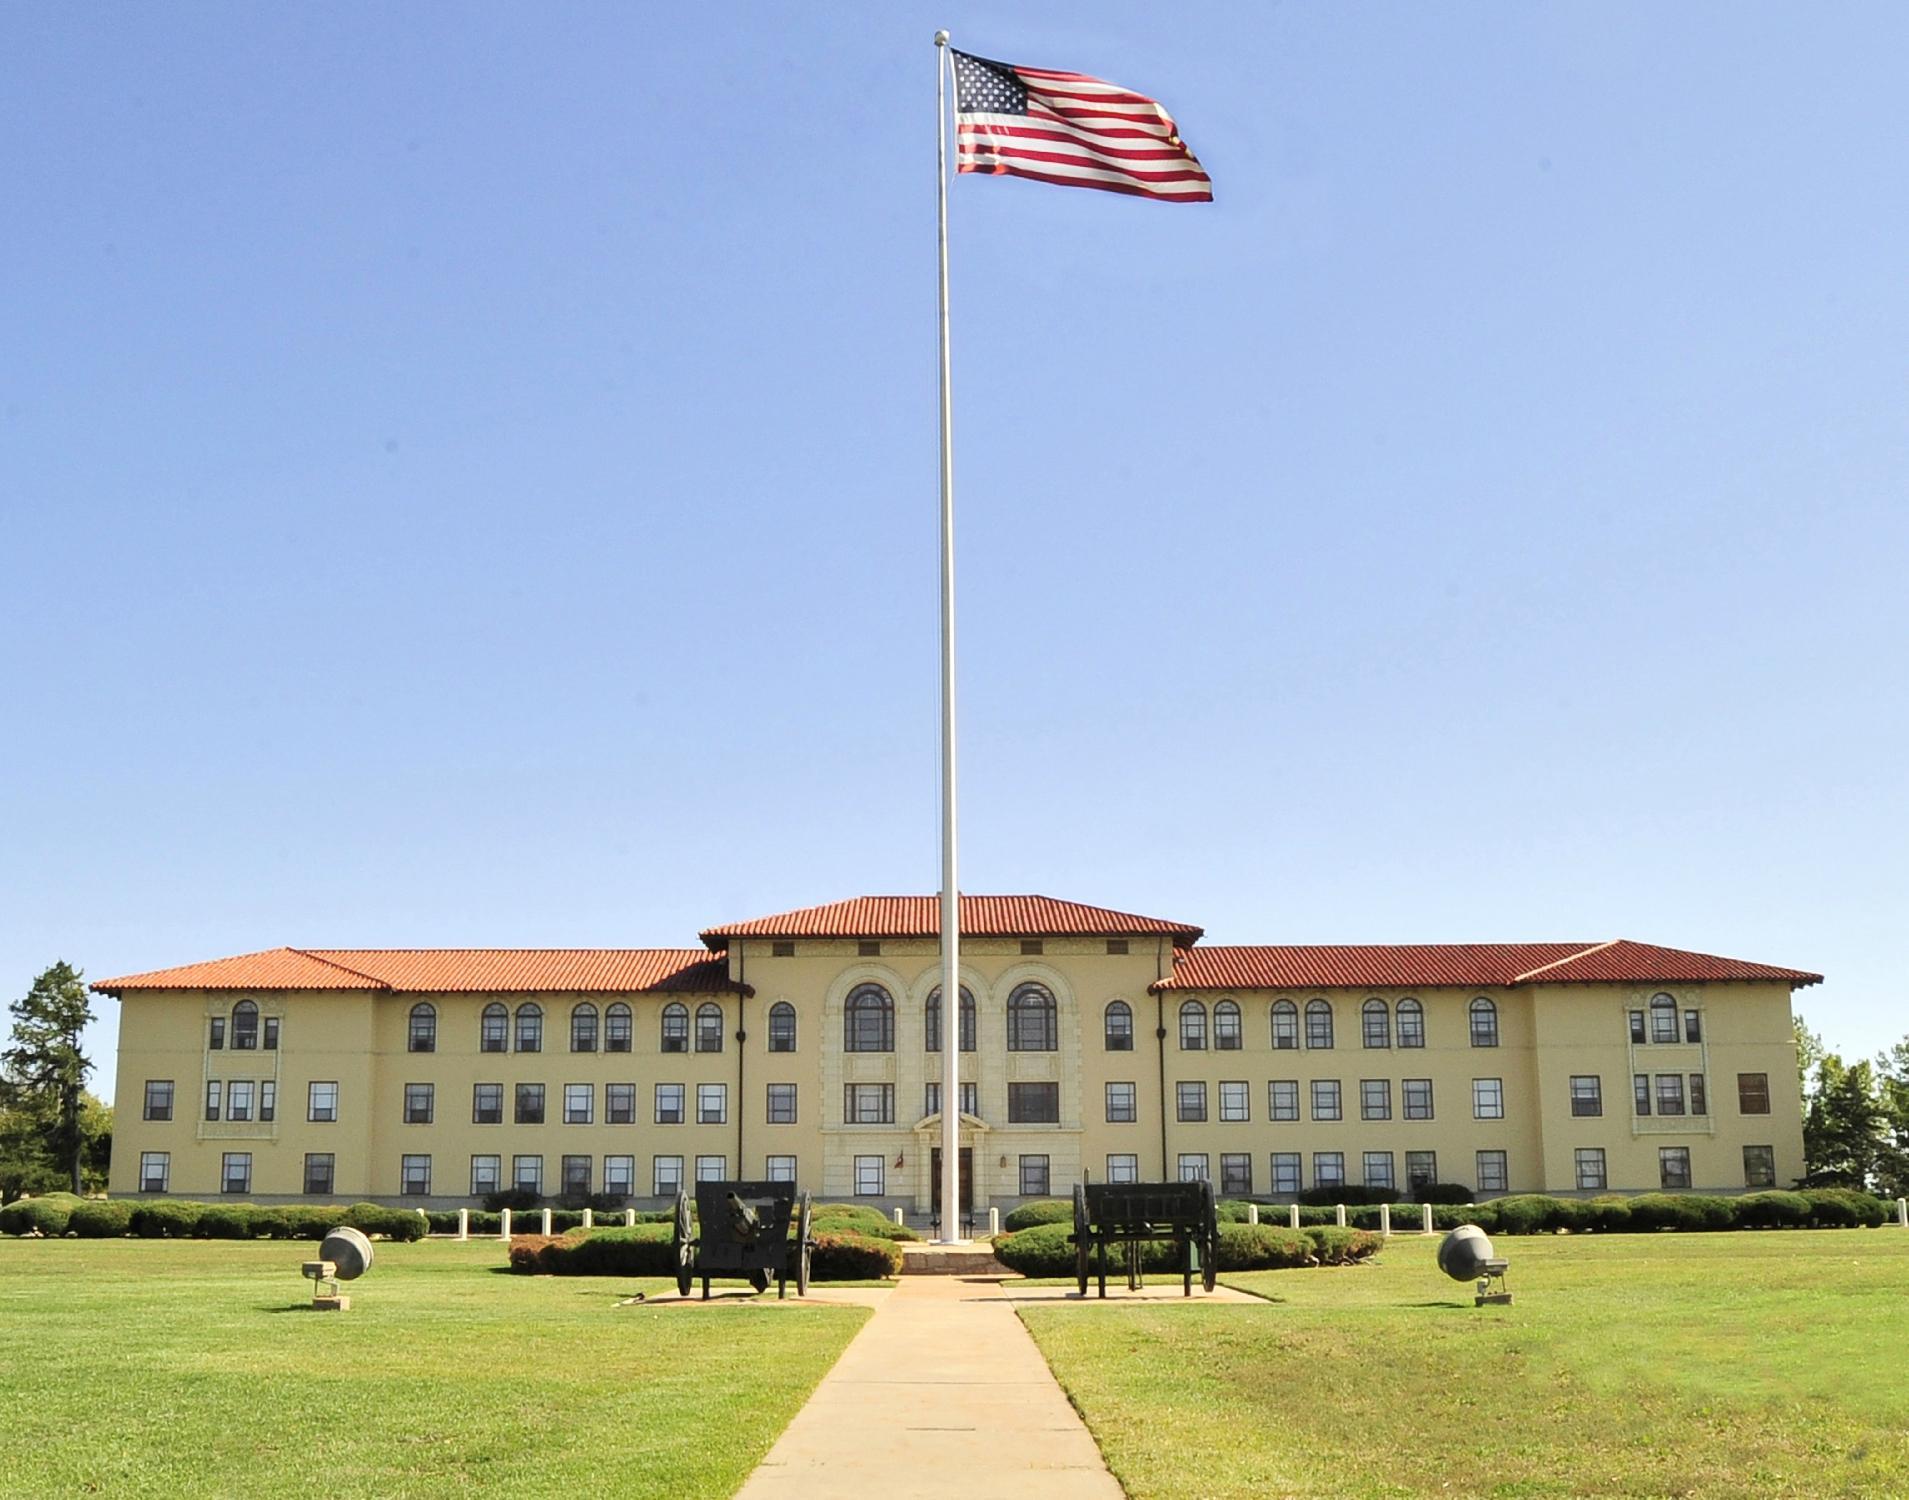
942	1394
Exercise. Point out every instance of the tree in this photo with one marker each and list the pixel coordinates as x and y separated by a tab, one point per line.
46	1071
1892	1159
1843	1130
1809	1052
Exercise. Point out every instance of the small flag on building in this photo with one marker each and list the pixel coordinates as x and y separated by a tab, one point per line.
1070	129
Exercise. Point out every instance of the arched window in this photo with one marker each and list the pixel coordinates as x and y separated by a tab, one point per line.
617	1028
868	1020
1192	1027
1663	1020
422	1036
1376	1023
1318	1023
933	1018
1119	1026
245	1025
530	1027
709	1027
494	1030
782	1027
1411	1023
1033	1020
1484	1018
676	1027
583	1028
1226	1026
1285	1026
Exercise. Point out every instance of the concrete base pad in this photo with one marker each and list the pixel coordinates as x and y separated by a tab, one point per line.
339	1303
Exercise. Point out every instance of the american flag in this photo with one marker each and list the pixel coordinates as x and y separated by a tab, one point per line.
1070	129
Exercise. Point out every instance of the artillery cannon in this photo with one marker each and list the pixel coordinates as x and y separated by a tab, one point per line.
743	1230
1130	1214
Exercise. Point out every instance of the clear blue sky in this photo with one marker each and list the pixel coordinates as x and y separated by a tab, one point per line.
467	476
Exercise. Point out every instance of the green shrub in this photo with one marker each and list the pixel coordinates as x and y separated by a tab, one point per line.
647	1250
1260	1247
853	1257
514	1199
1348	1193
1608	1214
1844	1208
1529	1213
224	1221
1772	1210
1441	1192
858	1218
101	1219
1339	1247
270	1223
48	1214
1688	1212
392	1223
1047	1211
1044	1250
166	1219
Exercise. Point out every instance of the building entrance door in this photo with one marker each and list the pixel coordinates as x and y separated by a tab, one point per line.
965	1167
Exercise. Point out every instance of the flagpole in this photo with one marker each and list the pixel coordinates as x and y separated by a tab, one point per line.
950	891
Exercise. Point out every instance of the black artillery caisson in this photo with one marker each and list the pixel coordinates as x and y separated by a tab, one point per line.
741	1231
1129	1214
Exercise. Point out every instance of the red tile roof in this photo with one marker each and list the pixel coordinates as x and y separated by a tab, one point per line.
445	971
1464	965
981	916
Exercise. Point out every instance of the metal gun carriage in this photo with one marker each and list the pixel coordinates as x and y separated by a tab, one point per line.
751	1231
1131	1214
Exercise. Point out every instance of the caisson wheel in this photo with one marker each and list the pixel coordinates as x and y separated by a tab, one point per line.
684	1245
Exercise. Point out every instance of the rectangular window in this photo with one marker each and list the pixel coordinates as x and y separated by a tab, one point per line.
1236	1173
1753	1093
271	1033
527	1174
1673	1166
619	1104
1034	1103
415	1173
1637	1028
155	1170
1488	1098
781	1168
666	1176
1590	1165
1193	1166
1282	1098
1189	1101
580	1103
321	1103
1663	1021
214	1092
869	1103
1033	1176
235	1172
712	1168
530	1104
669	1104
970	1100
1587	1095
158	1098
1421	1168
712	1104
576	1176
869	948
868	1176
782	948
1235	1102
1285	1173
487	1104
1699	1095
216	1041
1116	946
781	1104
1759	1166
1378	1169
268	1101
1494	1176
1325	1099
1122	1104
1670	1093
420	1103
1328	1169
238	1099
1416	1094
1375	1098
1318	1024
1032	947
1123	1166
321	1168
1693	1026
1640	1093
619	1176
486	1172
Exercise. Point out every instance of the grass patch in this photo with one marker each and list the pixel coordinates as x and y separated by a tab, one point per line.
137	1367
1719	1364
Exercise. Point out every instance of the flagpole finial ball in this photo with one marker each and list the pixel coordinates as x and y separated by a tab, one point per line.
941	38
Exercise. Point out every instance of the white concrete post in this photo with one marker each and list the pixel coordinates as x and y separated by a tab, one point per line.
1425	1218
629	1218
994	1221
546	1224
427	1220
1385	1219
898	1216
589	1219
504	1220
1902	1212
1252	1213
1292	1215
1339	1214
463	1223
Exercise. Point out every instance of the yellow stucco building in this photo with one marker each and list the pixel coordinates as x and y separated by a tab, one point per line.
806	1046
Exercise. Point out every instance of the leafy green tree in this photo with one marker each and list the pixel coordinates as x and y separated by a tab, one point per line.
1843	1130
1809	1053
45	1068
1892	1160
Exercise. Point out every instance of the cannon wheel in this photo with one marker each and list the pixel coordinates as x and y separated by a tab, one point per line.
684	1244
1080	1236
802	1248
1210	1236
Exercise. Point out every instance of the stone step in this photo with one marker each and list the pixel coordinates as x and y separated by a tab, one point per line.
950	1260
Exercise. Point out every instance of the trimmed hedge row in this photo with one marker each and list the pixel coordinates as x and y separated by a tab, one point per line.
1043	1249
47	1213
171	1219
648	1250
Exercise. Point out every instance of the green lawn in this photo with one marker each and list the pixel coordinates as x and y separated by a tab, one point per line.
1701	1364
141	1367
